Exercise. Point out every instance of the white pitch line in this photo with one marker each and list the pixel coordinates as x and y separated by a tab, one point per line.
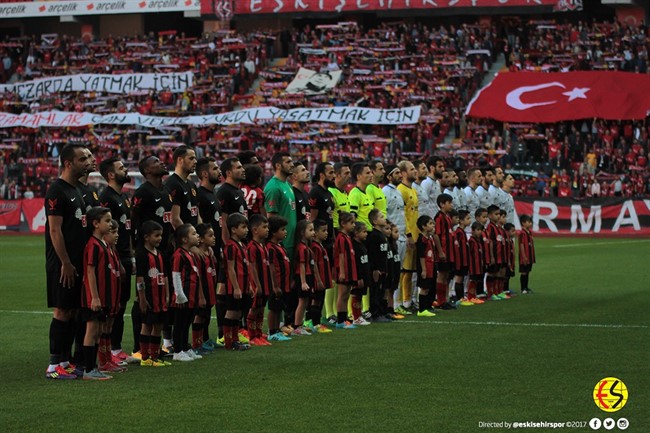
587	244
540	325
446	322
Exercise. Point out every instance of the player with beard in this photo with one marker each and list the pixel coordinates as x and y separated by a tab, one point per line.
431	184
450	182
185	208
460	177
209	176
373	190
88	191
407	253
482	190
495	188
299	179
65	233
339	194
230	197
152	202
116	176
508	201
279	198
424	205
474	179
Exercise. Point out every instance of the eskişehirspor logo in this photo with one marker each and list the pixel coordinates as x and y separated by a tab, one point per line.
610	394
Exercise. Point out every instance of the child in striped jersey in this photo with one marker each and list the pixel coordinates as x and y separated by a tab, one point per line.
208	271
461	256
260	278
280	277
153	293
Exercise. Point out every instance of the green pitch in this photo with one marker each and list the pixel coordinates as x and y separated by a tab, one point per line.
531	358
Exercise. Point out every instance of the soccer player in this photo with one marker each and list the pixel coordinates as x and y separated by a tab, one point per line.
152	202
345	265
324	266
378	259
394	266
431	184
260	278
476	263
299	179
425	261
508	201
237	281
229	196
252	187
187	296
185	208
153	293
116	176
424	205
280	266
496	187
64	232
526	252
89	191
407	253
482	190
209	176
511	233
373	189
474	179
443	238
481	217
96	297
461	257
321	205
341	202
279	198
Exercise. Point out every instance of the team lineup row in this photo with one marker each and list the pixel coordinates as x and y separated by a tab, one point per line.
200	238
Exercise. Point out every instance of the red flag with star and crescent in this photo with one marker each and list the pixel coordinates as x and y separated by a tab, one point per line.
552	97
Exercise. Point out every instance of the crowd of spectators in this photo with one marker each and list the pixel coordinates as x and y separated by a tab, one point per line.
391	65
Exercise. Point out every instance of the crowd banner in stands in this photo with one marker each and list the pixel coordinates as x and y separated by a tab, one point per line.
554	97
308	82
94	7
10	213
244	7
552	216
175	82
353	115
597	217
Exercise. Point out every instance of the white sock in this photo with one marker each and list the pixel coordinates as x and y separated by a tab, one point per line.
64	364
166	342
115	352
51	367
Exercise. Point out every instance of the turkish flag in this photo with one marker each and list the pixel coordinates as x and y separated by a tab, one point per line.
551	97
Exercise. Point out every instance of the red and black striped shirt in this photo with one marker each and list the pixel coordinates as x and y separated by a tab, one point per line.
184	262
236	253
280	266
426	250
461	249
259	258
96	254
510	246
323	264
208	271
445	232
527	245
343	246
476	256
305	257
150	267
116	280
495	236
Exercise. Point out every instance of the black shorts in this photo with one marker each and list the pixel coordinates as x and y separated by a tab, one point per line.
125	293
346	283
476	278
359	291
297	286
493	269
151	318
276	304
234	304
63	297
259	301
444	266
426	283
204	312
461	272
523	269
98	316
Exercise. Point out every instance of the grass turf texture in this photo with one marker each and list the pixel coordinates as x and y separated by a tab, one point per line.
530	358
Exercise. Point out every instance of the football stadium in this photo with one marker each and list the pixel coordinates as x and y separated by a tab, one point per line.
306	216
